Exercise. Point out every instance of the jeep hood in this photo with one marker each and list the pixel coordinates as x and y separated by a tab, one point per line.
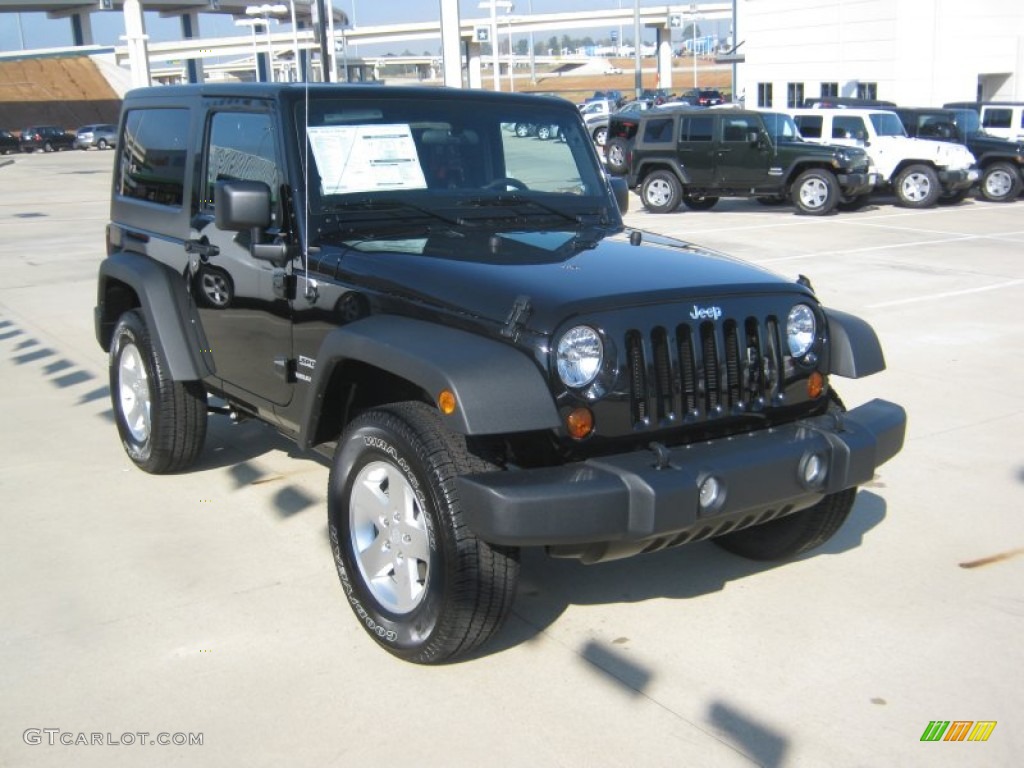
562	273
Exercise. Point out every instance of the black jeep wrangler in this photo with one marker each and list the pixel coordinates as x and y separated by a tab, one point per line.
458	318
695	157
1001	160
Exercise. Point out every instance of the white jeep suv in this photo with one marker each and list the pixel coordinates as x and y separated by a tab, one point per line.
921	172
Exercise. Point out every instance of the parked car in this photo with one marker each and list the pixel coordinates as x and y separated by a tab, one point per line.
8	142
710	98
998	118
99	135
921	172
1001	161
597	123
696	156
49	138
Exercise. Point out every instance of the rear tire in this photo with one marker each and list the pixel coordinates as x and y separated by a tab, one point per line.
601	136
423	586
1000	183
162	422
917	186
815	192
661	192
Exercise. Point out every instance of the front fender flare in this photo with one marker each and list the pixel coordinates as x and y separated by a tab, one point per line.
498	389
855	349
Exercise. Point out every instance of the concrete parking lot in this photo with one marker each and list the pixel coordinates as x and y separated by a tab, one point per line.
206	604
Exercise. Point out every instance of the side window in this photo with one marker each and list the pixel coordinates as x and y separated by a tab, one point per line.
697	128
151	158
848	128
809	125
736	129
242	147
996	118
658	131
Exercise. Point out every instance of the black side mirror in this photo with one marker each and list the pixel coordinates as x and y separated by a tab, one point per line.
242	205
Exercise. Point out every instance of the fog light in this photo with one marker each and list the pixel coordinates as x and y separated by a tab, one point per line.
711	493
813	470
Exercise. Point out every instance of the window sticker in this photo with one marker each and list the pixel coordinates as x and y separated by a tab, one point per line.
365	158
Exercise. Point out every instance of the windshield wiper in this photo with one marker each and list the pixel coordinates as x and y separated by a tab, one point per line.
389	205
512	200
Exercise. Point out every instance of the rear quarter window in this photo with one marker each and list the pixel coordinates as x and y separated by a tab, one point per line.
151	159
658	131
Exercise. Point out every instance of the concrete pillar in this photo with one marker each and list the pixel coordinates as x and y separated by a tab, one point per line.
136	40
190	31
664	53
475	73
450	43
81	28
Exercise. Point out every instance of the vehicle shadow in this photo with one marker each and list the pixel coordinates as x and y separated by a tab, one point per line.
548	586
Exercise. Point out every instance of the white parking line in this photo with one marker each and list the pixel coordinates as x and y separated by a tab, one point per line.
946	294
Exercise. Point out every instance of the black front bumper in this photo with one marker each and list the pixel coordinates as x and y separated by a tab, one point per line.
856	184
638	497
954	181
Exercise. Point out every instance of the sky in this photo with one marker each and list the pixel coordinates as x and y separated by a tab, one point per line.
37	31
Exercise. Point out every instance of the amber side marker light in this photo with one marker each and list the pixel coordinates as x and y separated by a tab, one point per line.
446	402
815	385
579	422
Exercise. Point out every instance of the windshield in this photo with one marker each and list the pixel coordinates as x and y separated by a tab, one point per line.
438	155
968	121
887	124
781	127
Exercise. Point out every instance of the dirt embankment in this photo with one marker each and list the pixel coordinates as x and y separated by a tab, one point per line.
68	91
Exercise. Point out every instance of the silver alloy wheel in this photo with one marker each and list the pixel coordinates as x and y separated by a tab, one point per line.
389	537
216	289
600	136
133	392
616	155
814	193
916	187
658	193
998	183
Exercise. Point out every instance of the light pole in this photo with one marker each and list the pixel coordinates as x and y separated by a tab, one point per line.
693	32
265	12
252	24
493	5
511	55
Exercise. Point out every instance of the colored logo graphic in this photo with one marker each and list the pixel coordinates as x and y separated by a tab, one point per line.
958	730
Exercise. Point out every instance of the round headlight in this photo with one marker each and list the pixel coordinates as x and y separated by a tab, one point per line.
580	354
800	330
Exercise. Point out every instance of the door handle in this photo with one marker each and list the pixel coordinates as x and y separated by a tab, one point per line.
202	248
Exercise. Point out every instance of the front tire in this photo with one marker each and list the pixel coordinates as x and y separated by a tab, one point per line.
419	581
917	186
794	534
162	422
1000	183
699	202
661	192
815	192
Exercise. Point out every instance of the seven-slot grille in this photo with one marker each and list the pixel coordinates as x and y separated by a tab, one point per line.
703	370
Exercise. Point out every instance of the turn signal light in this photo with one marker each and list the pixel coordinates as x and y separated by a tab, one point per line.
815	385
446	402
579	422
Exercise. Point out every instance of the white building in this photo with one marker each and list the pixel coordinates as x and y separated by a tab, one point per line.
912	52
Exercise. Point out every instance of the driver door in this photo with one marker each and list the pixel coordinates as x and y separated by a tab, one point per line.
246	319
